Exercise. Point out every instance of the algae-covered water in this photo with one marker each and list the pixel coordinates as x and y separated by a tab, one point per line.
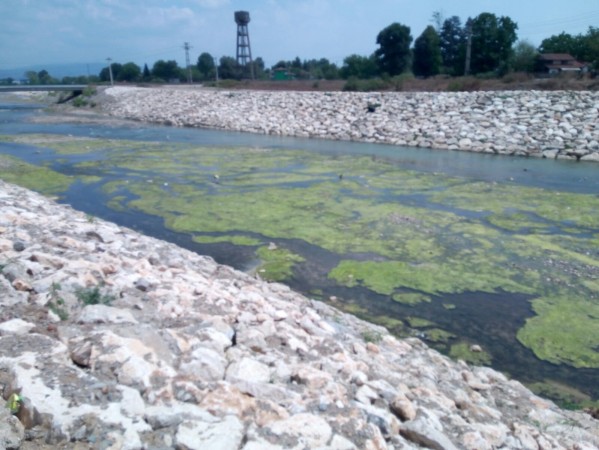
455	248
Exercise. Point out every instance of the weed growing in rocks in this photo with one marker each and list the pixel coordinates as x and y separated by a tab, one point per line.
56	303
371	336
93	296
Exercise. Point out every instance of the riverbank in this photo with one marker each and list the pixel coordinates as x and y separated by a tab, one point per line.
115	338
547	124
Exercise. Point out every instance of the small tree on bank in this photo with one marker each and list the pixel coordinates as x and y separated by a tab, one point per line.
393	54
427	53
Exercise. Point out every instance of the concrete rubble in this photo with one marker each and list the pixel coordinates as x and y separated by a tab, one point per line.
117	340
547	124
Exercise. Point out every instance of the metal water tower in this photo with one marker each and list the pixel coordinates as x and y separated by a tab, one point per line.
244	51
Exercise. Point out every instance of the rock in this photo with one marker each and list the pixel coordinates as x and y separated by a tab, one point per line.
424	433
403	408
16	326
248	370
12	432
226	434
105	314
303	430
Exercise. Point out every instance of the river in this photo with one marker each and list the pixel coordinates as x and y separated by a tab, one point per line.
488	315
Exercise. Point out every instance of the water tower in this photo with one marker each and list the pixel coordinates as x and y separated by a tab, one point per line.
244	52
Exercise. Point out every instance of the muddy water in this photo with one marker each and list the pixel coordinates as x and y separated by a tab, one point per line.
491	320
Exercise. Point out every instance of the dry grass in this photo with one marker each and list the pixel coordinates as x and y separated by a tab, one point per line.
514	81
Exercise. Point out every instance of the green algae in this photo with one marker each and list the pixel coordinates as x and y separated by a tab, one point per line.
290	195
565	396
233	239
461	350
438	335
418	322
276	264
40	179
411	298
564	330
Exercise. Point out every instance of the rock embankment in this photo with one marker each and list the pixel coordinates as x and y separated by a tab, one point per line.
117	340
528	123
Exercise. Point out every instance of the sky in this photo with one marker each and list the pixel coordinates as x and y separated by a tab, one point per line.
38	32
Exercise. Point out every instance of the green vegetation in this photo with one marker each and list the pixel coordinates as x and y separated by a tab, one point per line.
93	296
565	396
37	178
462	351
56	303
371	336
276	263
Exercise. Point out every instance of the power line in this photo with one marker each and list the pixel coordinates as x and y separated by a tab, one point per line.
187	47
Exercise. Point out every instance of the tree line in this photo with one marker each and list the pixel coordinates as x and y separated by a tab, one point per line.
486	46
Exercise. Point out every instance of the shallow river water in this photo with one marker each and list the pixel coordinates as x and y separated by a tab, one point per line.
373	216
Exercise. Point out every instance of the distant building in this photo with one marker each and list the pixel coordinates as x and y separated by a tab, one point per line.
555	63
281	74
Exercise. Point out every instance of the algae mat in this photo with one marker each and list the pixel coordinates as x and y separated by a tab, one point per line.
414	238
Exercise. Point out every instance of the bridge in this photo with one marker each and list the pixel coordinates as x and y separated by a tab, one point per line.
75	89
42	87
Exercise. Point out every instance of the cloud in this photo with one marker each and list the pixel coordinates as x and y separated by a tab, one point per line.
212	4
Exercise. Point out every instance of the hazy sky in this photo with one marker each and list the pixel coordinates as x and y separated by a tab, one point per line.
143	31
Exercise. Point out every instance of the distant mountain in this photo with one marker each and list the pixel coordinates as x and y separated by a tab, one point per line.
55	70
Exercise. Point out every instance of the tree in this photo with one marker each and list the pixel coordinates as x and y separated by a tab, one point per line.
320	68
32	77
206	66
228	68
492	40
357	66
561	43
129	72
258	68
452	43
166	70
583	47
590	53
116	70
146	73
427	53
393	54
524	57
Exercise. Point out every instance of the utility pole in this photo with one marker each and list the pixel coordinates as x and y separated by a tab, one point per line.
216	68
186	47
468	47
110	70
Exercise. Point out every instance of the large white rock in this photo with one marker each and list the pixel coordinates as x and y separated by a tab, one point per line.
224	435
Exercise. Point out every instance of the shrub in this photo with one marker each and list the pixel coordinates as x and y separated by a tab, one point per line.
93	296
464	84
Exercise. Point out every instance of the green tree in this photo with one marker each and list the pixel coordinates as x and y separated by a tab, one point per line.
166	70
146	75
524	57
453	46
590	53
393	54
357	66
228	68
105	73
258	68
320	68
32	77
206	66
560	43
492	41
427	53
583	47
129	72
